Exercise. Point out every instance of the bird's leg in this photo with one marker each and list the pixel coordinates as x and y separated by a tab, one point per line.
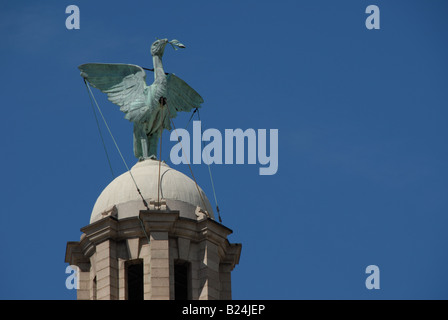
140	142
153	142
144	148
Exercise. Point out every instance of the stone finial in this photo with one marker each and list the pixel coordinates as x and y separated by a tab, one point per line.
201	213
112	211
158	205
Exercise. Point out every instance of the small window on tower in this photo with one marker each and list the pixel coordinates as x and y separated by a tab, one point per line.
181	280
134	277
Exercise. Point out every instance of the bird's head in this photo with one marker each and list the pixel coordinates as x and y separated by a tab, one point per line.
158	46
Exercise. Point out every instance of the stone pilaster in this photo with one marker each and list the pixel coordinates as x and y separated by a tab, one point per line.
159	265
106	271
209	271
225	281
83	292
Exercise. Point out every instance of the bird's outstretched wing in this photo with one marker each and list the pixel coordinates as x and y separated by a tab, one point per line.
180	96
124	84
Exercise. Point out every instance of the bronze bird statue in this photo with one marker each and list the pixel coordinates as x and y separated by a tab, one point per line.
148	107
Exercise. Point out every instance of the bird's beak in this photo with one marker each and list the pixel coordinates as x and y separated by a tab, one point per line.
175	43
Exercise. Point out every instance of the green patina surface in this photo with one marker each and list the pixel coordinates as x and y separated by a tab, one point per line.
125	86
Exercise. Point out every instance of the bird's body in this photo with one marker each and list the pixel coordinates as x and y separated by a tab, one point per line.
151	107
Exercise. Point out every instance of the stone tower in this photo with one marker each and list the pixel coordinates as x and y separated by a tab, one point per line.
174	250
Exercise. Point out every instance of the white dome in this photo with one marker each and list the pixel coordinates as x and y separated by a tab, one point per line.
179	191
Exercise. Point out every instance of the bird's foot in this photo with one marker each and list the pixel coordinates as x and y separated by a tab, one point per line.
152	157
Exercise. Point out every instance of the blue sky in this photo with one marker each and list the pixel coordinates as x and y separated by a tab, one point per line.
361	114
